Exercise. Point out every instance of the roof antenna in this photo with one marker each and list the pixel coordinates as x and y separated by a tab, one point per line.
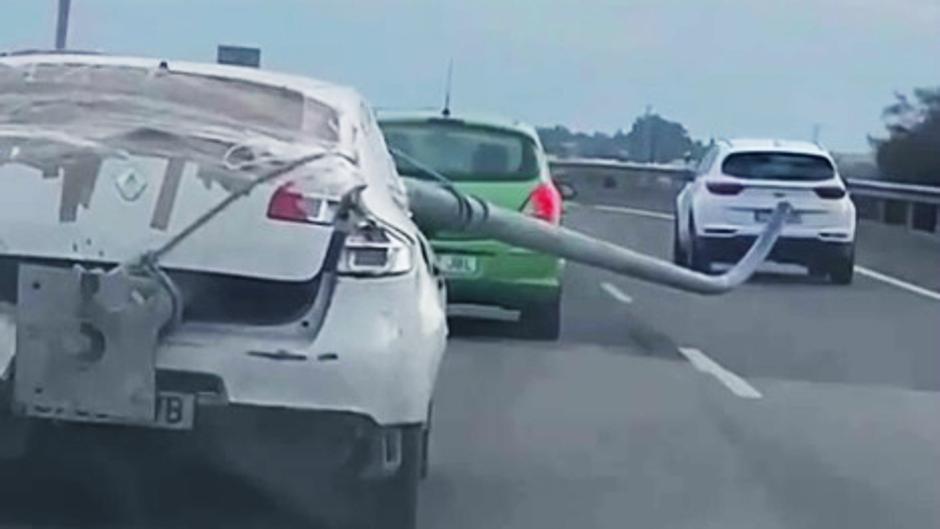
450	77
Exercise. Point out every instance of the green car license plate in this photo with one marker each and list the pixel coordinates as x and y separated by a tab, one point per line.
457	265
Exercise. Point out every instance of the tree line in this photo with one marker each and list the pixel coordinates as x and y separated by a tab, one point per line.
910	152
652	139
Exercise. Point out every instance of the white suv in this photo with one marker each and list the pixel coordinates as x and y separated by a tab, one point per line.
735	188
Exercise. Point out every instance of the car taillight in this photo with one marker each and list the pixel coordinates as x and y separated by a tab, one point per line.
292	205
544	203
724	188
830	192
375	251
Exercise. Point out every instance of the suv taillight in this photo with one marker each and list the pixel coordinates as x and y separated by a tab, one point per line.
724	188
544	203
293	205
831	192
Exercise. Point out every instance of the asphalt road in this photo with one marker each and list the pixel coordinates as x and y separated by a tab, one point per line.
789	403
823	413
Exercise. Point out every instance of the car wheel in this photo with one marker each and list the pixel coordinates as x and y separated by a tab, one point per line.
678	254
394	500
817	270
843	270
699	260
542	321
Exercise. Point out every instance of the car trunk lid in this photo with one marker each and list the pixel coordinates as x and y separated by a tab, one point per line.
113	210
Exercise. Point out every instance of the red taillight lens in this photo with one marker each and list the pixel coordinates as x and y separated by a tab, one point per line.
292	205
545	203
724	188
830	192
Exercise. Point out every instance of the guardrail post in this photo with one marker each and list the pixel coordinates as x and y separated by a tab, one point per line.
881	210
909	215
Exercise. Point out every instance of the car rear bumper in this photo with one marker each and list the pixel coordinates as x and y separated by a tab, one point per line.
375	355
312	462
509	277
799	250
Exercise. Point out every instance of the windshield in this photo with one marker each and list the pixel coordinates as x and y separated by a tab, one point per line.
463	152
777	166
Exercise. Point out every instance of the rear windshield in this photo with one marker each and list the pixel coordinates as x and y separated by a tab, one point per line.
777	166
463	152
122	97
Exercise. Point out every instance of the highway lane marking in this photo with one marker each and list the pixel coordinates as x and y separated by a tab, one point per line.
733	382
616	293
900	283
634	211
868	272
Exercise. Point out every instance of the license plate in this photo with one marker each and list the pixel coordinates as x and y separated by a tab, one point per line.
764	216
457	265
174	411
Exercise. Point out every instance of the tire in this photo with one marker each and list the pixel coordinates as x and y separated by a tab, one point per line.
678	254
817	271
394	500
426	444
542	321
843	270
700	260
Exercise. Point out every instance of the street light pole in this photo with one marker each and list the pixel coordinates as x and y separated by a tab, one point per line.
62	27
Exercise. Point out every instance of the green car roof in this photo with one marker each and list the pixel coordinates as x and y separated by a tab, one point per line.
479	120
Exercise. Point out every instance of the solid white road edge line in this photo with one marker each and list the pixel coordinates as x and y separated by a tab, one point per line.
733	382
900	283
634	211
616	293
868	272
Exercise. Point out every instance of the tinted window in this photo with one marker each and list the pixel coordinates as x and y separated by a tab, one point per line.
777	166
462	152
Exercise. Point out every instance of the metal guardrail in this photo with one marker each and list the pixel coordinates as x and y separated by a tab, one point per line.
915	206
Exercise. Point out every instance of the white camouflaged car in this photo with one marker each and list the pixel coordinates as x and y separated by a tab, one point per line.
222	257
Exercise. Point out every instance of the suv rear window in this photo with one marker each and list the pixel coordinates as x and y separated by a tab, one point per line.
463	152
777	166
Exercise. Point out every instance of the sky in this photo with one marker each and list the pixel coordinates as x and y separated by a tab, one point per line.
723	68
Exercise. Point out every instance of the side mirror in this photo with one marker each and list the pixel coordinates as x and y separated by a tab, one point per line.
566	190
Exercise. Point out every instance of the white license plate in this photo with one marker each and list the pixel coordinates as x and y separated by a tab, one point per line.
457	265
174	411
764	216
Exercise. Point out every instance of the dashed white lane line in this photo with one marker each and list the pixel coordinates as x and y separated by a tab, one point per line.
616	293
900	283
733	382
633	211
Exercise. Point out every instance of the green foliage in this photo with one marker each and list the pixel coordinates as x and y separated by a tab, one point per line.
911	152
652	138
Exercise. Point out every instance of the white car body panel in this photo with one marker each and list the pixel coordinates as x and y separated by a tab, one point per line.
383	338
717	216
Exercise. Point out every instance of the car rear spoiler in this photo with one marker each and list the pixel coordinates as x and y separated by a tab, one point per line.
438	206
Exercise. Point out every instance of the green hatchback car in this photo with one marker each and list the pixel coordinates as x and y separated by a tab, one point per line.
501	161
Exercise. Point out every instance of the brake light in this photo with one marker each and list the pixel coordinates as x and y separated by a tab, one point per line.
724	188
375	251
292	205
830	192
544	203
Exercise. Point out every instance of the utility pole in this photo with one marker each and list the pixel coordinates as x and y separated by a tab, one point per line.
62	27
817	129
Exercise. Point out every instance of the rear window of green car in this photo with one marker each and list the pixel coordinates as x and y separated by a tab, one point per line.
463	152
